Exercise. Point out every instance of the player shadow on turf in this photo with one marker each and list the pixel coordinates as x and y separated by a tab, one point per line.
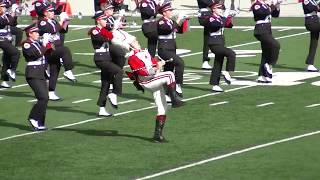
5	123
196	87
138	96
17	94
280	66
70	110
92	67
108	133
81	84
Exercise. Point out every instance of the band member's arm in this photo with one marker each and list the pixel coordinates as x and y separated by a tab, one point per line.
102	36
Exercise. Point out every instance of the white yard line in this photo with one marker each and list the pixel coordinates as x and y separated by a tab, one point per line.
286	29
250	29
219	103
80	101
123	113
265	104
313	105
79	28
33	100
128	101
230	154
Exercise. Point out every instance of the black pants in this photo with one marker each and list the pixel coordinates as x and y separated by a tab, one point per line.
176	66
314	29
40	89
118	55
205	48
10	58
18	33
55	65
110	73
270	50
150	32
220	52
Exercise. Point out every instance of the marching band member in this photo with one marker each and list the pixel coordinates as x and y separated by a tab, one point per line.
110	72
204	10
48	26
167	29
311	8
10	57
149	11
146	72
15	11
215	25
269	45
34	52
115	24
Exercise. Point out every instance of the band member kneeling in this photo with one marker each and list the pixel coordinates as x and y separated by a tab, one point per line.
146	74
110	72
33	51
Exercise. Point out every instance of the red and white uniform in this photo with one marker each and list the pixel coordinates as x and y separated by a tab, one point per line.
145	69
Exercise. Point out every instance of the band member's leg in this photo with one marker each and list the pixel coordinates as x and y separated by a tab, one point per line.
38	111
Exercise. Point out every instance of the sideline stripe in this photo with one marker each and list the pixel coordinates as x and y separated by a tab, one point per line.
230	154
265	104
219	103
119	114
313	105
80	101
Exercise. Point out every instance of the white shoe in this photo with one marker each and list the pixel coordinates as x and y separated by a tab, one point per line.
217	88
311	68
268	70
179	90
11	74
42	128
5	84
34	124
263	79
206	65
227	77
113	100
53	96
168	99
69	75
104	112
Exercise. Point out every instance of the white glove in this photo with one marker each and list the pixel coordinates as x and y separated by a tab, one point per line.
233	13
64	17
14	7
182	15
122	12
226	13
46	38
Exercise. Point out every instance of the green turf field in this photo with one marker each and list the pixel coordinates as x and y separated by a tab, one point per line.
241	133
